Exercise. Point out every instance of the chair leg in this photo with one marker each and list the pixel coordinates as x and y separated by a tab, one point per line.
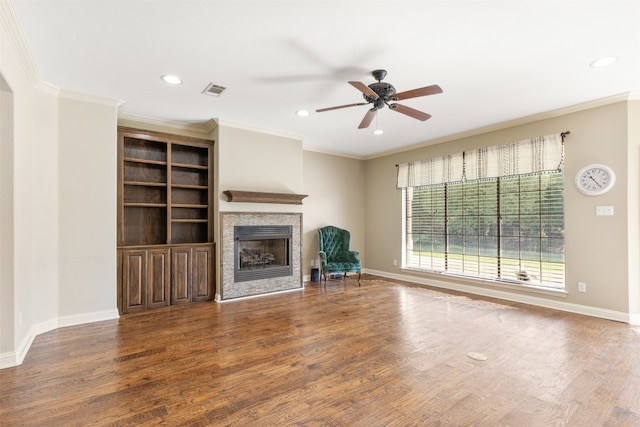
359	275
324	274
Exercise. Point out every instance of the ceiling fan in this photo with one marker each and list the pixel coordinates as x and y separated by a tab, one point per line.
380	94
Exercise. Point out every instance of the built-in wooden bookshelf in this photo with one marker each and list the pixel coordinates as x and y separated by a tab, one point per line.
165	204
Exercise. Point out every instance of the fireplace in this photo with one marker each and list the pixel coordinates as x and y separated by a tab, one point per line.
262	251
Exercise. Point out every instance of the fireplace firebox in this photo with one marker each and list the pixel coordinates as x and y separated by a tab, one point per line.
262	252
240	230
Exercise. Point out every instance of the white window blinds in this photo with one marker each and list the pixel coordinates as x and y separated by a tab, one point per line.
539	154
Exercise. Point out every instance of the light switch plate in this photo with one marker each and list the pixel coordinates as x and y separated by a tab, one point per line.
604	210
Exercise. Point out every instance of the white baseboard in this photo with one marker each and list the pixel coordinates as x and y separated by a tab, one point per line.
8	360
515	297
15	358
81	319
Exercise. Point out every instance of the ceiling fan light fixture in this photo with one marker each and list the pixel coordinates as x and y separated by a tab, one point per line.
171	79
603	62
302	113
377	131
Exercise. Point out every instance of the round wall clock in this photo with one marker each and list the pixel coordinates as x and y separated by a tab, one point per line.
595	179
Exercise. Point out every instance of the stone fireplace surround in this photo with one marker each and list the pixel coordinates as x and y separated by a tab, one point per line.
229	289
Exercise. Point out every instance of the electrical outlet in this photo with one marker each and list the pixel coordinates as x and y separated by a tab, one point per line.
395	262
582	287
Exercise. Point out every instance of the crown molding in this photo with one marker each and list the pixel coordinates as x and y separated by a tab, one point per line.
79	96
47	88
199	128
9	20
622	97
243	126
333	153
203	127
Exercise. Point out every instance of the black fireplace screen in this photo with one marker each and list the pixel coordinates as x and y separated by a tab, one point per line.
262	251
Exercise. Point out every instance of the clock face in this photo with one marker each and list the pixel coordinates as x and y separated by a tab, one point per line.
595	179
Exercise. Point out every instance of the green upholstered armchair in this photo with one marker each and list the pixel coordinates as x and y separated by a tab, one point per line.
335	256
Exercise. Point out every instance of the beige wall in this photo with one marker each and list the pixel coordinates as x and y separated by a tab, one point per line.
57	238
6	217
596	247
633	218
250	160
336	197
36	214
87	205
28	195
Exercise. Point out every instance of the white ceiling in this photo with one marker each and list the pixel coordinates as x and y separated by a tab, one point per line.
495	61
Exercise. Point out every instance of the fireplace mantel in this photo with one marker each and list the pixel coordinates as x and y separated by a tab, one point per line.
259	197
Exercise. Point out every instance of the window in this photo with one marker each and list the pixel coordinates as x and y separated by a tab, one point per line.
508	228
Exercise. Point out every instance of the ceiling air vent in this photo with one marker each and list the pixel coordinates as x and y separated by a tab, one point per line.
214	90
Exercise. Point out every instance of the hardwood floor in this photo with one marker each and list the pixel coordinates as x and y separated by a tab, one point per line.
382	354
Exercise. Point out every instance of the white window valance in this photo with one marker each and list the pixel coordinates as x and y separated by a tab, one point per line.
438	170
544	153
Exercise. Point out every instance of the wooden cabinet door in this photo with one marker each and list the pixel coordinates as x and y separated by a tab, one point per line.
134	280
155	277
158	278
181	274
202	273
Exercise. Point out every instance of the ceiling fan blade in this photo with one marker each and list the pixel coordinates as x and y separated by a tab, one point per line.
364	89
366	121
423	91
411	112
340	106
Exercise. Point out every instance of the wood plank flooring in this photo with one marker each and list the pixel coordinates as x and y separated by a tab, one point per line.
382	354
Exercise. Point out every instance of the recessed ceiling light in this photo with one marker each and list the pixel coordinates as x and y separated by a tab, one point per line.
603	62
172	80
302	113
378	132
